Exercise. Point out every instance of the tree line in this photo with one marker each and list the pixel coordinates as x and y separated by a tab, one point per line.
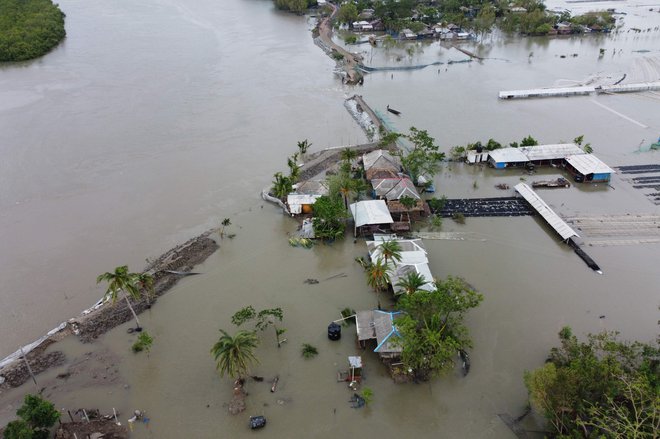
29	28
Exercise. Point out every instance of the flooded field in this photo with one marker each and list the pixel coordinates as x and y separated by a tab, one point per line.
121	144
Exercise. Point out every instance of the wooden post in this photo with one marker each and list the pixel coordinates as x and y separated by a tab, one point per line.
70	416
27	363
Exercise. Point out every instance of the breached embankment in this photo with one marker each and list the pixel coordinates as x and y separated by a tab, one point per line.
104	315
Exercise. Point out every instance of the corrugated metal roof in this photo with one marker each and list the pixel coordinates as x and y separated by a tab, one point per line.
296	201
312	187
588	164
413	259
551	152
508	155
541	92
380	159
370	212
395	188
544	210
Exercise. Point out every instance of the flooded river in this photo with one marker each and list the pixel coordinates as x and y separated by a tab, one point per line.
154	121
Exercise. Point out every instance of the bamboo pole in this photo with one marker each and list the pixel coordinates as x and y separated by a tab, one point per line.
27	363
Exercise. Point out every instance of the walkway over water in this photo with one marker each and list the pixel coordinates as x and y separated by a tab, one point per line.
576	91
545	211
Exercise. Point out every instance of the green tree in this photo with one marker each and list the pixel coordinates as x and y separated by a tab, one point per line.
529	141
347	13
29	28
18	430
599	388
282	186
303	147
411	283
225	223
432	328
38	415
263	319
145	281
234	355
328	221
294	169
408	202
424	158
485	19
390	250
121	281
378	277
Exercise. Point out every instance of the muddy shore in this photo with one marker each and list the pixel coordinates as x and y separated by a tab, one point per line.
182	259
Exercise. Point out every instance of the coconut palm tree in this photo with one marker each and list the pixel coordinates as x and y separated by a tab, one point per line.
411	282
391	251
234	355
377	277
225	223
348	155
294	169
303	146
121	281
144	281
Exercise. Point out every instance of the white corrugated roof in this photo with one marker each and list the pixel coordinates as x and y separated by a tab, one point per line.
588	164
508	155
551	152
371	212
544	210
295	201
547	92
413	258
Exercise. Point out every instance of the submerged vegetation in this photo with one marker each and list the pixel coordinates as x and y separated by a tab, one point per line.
29	28
601	388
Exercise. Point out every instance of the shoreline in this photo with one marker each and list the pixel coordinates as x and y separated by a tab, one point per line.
105	315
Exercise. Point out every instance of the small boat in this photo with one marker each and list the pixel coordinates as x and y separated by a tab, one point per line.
560	182
393	111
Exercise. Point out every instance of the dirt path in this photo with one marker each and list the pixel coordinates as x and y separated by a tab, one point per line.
350	61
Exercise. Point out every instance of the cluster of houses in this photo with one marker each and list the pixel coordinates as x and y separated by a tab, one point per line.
584	167
450	31
376	329
385	212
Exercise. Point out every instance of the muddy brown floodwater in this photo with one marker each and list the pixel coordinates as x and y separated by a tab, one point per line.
154	121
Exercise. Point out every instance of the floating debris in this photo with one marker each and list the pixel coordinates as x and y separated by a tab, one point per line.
301	242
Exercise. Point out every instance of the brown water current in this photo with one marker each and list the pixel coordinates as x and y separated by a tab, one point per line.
154	121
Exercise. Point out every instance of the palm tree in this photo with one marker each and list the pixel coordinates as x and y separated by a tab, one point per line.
391	251
225	223
294	169
411	282
303	146
282	185
234	355
144	281
121	281
377	277
347	155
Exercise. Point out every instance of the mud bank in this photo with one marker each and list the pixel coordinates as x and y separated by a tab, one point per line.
104	316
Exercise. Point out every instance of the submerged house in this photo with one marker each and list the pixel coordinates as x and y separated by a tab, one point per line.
379	327
380	164
588	168
305	194
394	188
584	167
370	216
413	259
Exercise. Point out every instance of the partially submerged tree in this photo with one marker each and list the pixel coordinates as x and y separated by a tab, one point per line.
143	342
225	223
262	319
599	388
432	328
303	147
378	277
37	417
329	215
424	158
121	281
235	354
282	185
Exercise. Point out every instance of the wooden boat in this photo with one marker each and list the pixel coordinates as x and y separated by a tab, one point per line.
560	182
393	111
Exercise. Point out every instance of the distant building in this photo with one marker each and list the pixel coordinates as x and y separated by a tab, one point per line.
362	26
305	195
407	34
